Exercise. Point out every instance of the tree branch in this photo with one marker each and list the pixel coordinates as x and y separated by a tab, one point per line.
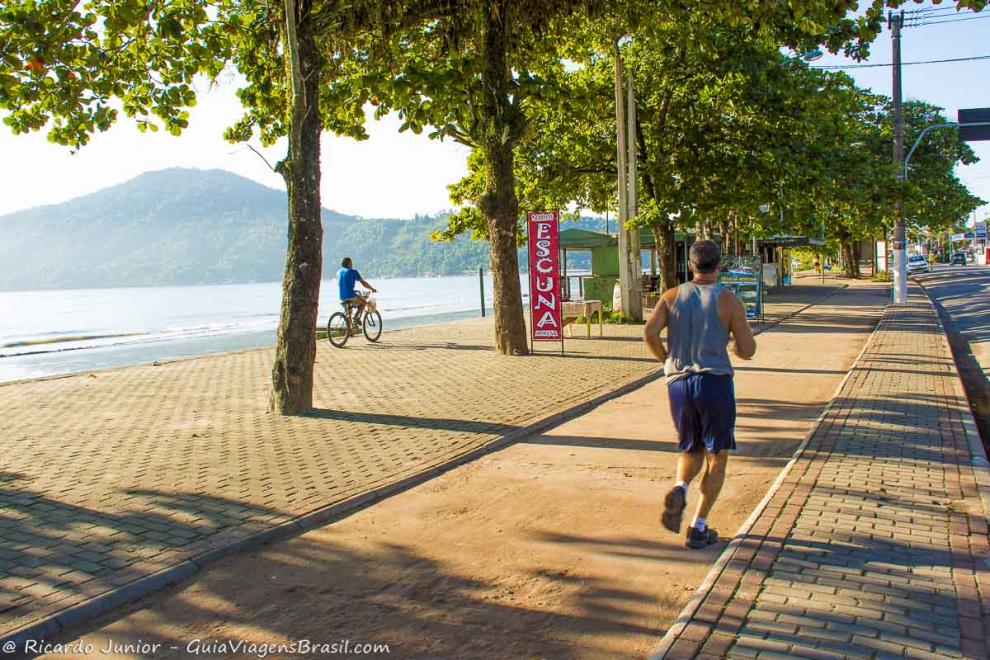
292	50
261	156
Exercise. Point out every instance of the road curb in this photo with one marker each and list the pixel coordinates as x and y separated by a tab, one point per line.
687	613
977	452
145	586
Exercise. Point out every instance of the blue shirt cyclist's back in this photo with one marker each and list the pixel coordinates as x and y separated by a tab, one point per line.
346	279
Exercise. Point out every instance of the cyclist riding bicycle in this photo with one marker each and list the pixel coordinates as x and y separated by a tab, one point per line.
347	277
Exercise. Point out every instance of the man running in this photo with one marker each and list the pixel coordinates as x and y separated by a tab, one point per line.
347	277
699	317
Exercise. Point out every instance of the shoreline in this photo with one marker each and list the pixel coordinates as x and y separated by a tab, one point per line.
211	354
62	332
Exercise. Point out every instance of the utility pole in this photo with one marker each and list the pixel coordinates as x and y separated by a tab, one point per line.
896	22
625	281
635	259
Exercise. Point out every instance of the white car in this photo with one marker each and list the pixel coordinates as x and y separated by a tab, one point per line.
917	263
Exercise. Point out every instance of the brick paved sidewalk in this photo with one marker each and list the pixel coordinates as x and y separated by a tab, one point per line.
118	482
875	542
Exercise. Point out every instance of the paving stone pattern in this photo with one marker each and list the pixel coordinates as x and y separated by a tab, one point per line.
110	477
875	545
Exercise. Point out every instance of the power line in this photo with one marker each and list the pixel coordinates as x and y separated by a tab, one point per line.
911	18
951	20
914	20
868	66
932	10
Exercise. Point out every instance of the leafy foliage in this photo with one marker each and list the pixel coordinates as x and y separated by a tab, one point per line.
727	124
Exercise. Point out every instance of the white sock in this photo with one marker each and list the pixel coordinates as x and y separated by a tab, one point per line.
700	523
682	484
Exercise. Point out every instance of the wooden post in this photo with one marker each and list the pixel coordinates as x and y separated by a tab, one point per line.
481	285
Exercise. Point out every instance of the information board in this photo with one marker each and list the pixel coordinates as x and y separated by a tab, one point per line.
544	275
743	276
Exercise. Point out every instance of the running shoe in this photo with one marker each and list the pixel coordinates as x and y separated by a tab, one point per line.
673	508
700	538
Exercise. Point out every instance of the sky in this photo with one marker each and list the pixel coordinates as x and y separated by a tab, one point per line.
391	174
400	175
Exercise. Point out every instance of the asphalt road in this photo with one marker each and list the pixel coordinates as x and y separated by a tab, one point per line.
964	292
963	295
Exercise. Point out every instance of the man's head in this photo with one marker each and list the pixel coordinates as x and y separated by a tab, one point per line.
705	257
346	262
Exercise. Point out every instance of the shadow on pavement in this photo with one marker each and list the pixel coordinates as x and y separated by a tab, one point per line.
421	346
968	286
56	551
390	594
930	605
436	423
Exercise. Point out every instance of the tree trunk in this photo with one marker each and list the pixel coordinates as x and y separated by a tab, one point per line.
663	233
848	262
723	230
736	236
700	229
666	242
295	348
501	209
503	128
846	250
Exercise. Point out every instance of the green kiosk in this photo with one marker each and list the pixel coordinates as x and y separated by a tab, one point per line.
604	249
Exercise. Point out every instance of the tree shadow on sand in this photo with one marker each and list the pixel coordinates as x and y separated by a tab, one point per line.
390	593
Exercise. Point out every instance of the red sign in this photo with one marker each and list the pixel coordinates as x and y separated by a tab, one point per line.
544	275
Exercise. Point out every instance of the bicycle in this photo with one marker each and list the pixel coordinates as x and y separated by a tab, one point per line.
342	325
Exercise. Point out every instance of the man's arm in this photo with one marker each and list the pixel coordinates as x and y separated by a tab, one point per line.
744	344
367	286
655	324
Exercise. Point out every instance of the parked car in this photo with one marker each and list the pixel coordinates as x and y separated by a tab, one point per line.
917	263
959	259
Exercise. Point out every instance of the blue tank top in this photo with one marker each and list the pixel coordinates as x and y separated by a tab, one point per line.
697	342
346	279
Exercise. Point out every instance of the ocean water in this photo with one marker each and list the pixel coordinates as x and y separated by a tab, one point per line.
44	333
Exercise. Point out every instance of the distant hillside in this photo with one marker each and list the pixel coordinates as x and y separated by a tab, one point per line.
184	226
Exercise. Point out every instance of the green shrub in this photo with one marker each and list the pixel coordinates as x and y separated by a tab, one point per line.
608	316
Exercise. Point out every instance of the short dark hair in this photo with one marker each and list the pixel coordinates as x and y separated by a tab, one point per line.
345	262
705	256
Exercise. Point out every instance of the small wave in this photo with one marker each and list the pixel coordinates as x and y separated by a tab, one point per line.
65	338
93	341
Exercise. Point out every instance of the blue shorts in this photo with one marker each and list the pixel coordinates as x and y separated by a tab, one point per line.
704	410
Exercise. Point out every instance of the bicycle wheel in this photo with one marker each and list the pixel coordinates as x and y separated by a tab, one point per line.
338	329
372	325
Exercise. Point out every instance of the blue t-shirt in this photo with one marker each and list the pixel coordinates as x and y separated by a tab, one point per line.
346	279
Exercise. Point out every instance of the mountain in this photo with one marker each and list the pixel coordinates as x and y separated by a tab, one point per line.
186	226
183	226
